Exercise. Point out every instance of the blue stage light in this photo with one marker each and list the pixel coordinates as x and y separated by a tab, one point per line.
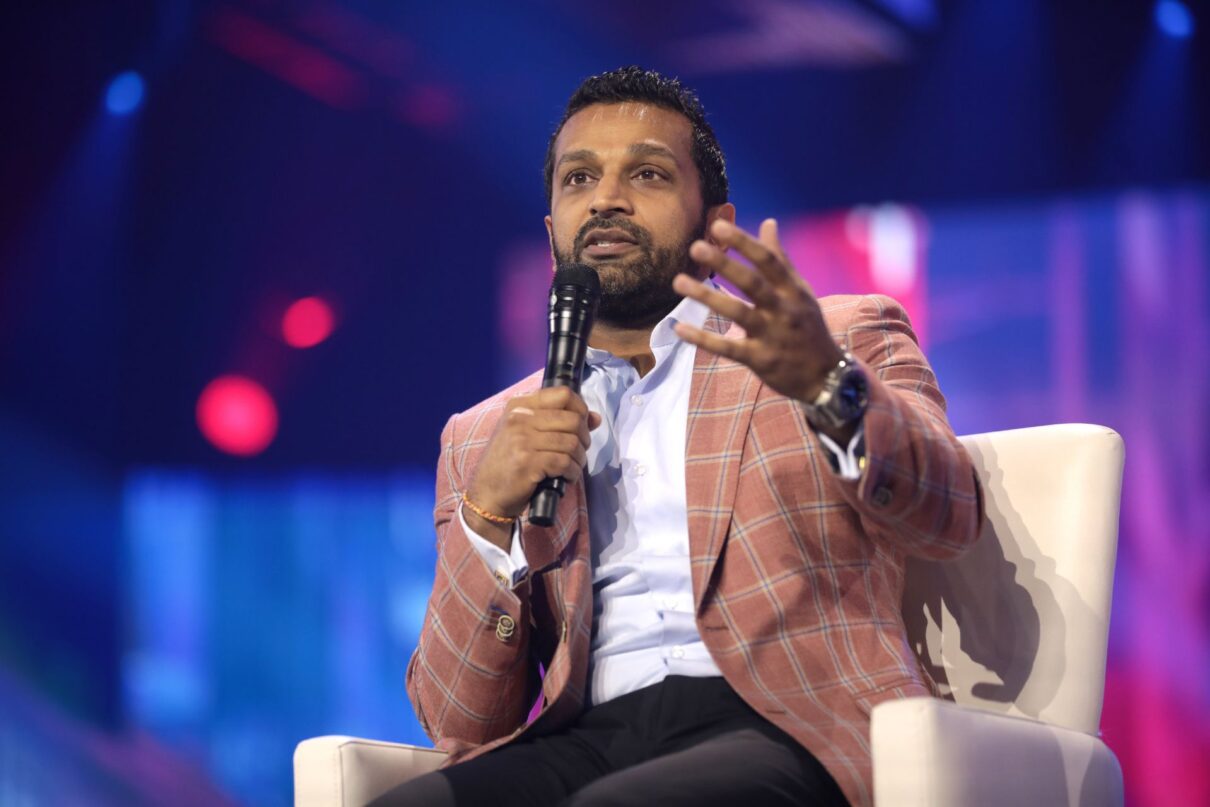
1174	19
125	93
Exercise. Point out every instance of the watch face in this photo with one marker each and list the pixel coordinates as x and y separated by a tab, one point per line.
852	395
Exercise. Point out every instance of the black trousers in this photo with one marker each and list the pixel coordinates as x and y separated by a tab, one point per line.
683	741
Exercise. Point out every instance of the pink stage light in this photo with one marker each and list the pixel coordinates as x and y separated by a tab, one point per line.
307	322
237	415
302	66
429	106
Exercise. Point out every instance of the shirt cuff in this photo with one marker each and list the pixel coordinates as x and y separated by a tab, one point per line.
850	462
509	567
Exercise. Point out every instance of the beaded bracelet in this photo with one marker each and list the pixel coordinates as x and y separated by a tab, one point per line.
479	511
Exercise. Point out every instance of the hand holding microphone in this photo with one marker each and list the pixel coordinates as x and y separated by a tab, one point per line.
543	437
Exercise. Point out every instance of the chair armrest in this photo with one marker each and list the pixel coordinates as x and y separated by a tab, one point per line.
932	753
350	772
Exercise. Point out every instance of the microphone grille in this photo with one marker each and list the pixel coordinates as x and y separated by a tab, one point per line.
577	274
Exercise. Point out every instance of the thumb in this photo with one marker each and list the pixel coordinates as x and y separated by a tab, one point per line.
594	420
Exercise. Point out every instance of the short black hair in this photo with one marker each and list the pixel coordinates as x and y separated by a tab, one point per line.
633	83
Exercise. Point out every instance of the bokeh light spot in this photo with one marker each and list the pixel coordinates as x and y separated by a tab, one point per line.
307	322
125	93
1174	19
237	415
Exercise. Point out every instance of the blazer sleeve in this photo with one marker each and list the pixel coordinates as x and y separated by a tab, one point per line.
470	678
918	491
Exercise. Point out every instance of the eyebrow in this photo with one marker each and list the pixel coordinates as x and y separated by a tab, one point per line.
576	156
651	150
635	150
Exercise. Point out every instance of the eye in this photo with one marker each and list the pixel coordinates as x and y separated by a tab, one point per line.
648	174
577	178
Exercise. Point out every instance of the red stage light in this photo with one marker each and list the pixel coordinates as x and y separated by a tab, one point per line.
237	415
307	322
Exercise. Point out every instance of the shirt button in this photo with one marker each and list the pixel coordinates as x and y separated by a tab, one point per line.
637	400
678	652
640	469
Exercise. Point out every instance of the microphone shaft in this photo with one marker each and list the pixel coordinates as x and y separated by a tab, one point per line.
573	308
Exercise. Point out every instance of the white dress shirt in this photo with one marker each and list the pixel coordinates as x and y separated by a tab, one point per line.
643	625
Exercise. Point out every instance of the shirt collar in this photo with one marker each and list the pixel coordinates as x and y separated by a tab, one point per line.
688	311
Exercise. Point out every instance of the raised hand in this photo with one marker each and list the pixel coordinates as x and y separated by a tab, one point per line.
787	343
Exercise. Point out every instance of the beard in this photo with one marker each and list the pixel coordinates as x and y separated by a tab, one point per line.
636	292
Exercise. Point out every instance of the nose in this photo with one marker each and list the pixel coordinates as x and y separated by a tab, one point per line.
610	199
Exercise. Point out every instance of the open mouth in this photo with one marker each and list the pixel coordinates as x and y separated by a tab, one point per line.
608	243
608	248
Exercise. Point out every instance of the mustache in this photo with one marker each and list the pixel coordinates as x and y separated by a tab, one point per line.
641	237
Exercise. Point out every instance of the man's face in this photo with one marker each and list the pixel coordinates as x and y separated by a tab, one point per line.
626	200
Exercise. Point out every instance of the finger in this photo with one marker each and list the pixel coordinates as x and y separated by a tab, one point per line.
526	401
562	421
767	235
576	404
556	420
770	236
552	398
768	262
731	348
724	304
594	420
556	442
557	464
746	280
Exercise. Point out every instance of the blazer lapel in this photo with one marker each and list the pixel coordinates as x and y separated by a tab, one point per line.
722	395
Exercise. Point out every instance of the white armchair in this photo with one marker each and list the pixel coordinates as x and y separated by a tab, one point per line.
1014	632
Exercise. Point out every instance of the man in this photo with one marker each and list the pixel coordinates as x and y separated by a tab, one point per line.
716	608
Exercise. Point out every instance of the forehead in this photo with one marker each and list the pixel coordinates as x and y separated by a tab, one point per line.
614	127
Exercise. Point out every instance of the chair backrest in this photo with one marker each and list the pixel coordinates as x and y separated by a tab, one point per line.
1019	624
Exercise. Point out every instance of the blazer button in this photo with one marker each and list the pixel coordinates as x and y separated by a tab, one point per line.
505	627
882	496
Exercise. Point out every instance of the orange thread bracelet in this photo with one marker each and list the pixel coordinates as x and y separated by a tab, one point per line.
479	511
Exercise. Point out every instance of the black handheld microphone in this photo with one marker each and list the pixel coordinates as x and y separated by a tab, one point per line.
574	295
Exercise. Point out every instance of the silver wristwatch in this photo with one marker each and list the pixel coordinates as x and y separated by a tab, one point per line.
844	397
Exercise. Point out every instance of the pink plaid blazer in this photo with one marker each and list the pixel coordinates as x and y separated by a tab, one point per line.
797	574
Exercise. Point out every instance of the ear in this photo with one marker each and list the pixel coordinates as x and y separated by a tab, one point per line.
550	240
725	211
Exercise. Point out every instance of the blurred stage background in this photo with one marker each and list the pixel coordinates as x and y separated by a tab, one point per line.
254	253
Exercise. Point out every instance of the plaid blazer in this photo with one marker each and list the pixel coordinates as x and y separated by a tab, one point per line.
797	574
